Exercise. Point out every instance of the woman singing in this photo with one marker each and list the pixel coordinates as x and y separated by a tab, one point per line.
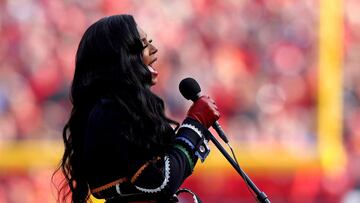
119	145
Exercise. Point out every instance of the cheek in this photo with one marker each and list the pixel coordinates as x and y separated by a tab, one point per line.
145	56
146	59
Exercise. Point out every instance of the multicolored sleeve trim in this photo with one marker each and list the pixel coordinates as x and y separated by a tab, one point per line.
164	183
141	169
192	127
104	187
186	141
192	136
187	154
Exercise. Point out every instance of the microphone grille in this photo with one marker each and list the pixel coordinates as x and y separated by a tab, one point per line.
189	88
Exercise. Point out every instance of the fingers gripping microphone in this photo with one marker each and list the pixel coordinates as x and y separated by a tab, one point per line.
190	89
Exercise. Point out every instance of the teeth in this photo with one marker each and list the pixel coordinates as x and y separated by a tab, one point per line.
153	71
151	68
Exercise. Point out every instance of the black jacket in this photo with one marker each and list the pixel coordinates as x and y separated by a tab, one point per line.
120	171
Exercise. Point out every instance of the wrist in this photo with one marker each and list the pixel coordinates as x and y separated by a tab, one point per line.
193	135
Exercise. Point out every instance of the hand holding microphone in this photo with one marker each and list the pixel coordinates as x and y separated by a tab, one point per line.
207	112
204	111
193	133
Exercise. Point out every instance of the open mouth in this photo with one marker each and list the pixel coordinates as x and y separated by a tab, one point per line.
153	61
153	71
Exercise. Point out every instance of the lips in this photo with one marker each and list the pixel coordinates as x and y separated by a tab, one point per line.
153	72
153	61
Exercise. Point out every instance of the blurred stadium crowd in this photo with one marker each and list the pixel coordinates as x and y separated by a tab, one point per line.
257	59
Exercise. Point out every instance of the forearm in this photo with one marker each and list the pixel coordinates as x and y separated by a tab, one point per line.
162	176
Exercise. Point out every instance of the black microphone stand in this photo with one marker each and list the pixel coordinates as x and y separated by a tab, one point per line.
261	196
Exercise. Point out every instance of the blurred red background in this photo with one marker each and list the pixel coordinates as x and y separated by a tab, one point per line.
259	60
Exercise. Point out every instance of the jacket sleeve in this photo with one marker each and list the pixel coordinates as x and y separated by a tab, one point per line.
163	175
154	175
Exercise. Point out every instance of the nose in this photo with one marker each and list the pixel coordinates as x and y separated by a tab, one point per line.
153	49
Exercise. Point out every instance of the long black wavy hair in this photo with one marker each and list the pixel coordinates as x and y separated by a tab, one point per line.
109	65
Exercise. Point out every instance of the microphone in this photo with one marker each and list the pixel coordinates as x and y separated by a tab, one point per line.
190	89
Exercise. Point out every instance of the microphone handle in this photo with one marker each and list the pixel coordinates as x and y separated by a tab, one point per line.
220	131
